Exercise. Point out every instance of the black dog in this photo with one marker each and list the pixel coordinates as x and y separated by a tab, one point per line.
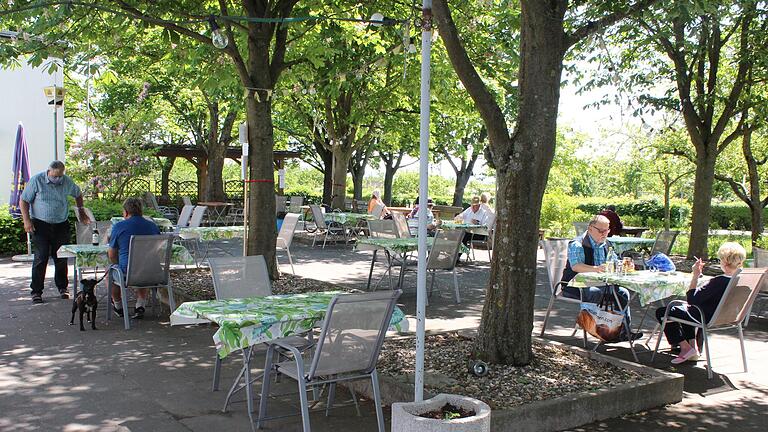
86	302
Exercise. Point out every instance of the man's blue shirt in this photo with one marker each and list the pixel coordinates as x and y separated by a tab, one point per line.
122	233
48	201
576	251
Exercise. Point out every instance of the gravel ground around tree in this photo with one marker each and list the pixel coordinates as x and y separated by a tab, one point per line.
553	373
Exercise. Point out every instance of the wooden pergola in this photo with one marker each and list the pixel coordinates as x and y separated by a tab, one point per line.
199	158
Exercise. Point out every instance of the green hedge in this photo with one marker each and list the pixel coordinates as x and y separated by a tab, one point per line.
646	212
13	240
735	216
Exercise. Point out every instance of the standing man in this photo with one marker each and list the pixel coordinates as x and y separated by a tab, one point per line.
44	210
119	242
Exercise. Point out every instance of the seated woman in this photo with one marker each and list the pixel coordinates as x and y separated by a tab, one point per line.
707	297
375	202
413	218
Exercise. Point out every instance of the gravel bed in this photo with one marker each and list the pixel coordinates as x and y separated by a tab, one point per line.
554	371
197	284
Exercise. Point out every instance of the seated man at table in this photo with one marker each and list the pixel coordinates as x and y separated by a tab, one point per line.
587	253
616	225
475	214
134	224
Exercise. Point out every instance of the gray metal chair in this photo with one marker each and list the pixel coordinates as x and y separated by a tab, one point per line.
285	236
149	264
184	217
192	240
280	203
378	209
326	228
487	240
443	255
238	277
663	244
84	232
347	349
171	213
731	312
580	227
187	202
556	258
294	206
401	225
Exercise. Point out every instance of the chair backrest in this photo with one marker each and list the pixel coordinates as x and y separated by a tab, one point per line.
555	258
361	206
664	242
151	201
185	216
382	228
295	205
197	216
149	260
401	225
447	212
317	215
353	332
348	204
185	199
236	216
285	236
240	277
738	297
280	201
760	256
377	210
580	227
445	249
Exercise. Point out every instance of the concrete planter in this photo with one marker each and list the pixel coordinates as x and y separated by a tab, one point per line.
760	256
405	415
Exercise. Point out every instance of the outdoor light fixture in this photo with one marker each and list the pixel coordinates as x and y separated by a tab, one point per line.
55	97
378	20
218	37
412	46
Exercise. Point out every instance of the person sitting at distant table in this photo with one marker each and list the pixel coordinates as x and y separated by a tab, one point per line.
413	218
475	214
485	199
587	253
119	243
706	297
616	225
376	202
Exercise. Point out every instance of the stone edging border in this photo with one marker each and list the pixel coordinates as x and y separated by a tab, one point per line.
570	411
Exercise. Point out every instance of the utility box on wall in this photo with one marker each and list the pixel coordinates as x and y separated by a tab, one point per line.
25	99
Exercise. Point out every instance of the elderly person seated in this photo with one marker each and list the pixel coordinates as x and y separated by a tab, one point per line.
706	297
485	199
475	214
119	242
413	218
587	253
377	202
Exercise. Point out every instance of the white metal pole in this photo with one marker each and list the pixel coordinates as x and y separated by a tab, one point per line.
421	285
243	138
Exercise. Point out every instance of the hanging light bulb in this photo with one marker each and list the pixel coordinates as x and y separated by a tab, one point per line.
218	37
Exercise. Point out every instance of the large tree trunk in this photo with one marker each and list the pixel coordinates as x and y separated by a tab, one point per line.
166	166
357	184
702	204
461	184
339	177
389	178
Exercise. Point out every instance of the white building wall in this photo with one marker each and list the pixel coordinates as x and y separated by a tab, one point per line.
22	100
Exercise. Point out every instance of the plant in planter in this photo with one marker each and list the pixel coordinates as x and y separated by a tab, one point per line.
442	413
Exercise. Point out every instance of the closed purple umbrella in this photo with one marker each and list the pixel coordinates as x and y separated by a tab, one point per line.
20	172
20	179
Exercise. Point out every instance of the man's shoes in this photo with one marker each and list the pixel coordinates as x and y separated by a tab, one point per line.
64	294
118	312
37	298
138	313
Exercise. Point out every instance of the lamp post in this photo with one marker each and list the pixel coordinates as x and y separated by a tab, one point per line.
55	97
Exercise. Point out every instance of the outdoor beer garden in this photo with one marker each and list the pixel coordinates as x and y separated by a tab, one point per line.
433	216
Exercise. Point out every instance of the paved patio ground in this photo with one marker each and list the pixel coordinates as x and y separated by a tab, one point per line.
157	378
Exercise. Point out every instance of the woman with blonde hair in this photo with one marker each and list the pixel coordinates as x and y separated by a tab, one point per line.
706	297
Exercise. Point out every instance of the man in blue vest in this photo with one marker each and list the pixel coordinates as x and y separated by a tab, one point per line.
587	253
119	241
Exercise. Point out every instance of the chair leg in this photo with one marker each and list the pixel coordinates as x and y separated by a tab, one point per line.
456	286
706	348
290	260
304	402
171	299
216	373
248	387
265	386
377	400
124	300
546	316
331	397
743	351
432	284
109	294
658	340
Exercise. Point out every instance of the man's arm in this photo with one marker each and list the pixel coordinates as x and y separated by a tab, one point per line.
81	211
576	258
28	226
583	268
113	255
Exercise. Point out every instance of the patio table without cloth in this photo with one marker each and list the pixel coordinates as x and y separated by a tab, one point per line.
164	224
623	244
216	210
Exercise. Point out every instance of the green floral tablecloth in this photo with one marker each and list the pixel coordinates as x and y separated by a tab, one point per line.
621	244
398	245
347	218
465	226
649	286
213	233
96	256
163	223
250	321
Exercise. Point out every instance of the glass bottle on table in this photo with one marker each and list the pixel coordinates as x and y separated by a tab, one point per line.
95	236
610	261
